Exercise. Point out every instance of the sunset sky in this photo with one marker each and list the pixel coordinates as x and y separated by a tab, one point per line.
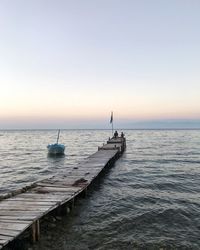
68	64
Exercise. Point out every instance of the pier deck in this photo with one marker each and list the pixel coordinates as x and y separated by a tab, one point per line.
23	211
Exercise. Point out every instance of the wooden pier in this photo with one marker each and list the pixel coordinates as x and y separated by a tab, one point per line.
22	212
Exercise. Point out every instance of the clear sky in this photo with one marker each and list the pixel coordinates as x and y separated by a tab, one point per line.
68	63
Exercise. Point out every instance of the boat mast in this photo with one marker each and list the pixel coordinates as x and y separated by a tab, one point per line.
58	136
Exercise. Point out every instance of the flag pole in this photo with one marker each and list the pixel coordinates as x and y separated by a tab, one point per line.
111	121
112	128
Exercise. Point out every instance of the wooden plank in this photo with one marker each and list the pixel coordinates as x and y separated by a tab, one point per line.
14	226
112	147
59	196
5	212
18	217
68	186
25	208
59	185
36	199
3	242
56	183
9	205
71	190
14	221
49	197
26	202
104	155
4	237
9	232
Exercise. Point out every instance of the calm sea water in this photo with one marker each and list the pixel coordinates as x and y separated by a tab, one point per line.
150	198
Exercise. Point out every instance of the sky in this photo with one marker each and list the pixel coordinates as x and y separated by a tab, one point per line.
68	64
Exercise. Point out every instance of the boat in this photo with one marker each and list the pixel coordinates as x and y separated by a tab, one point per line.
56	148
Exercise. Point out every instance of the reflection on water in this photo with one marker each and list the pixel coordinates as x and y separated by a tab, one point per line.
150	199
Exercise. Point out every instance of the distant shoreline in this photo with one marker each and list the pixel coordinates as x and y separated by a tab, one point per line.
93	129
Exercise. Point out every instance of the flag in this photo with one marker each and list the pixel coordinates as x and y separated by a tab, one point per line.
111	118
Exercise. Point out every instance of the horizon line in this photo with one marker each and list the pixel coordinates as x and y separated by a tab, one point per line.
175	128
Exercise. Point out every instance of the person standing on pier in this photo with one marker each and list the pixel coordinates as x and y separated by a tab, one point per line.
115	134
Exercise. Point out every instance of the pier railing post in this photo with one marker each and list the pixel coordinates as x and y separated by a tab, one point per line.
35	231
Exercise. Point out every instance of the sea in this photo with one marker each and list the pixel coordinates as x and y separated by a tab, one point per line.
149	199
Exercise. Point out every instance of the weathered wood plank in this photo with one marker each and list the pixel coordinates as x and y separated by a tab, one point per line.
9	204
18	218
54	185
50	197
4	237
14	221
111	146
26	202
36	199
3	242
4	212
103	155
9	232
60	184
24	208
12	226
71	190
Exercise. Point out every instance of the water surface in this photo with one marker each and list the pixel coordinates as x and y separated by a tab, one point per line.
150	198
